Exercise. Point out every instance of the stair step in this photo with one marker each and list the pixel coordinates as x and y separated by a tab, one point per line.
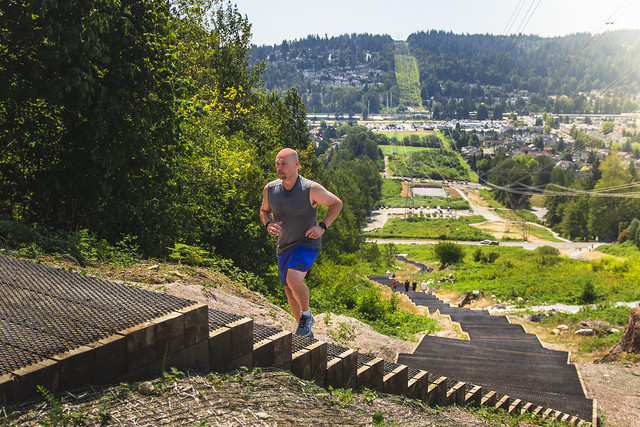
342	367
309	359
469	350
370	372
579	406
395	379
230	341
496	375
428	342
271	347
417	384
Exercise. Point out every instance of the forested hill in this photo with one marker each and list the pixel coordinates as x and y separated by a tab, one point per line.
459	72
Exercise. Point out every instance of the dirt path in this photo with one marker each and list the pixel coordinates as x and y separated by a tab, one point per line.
507	230
617	390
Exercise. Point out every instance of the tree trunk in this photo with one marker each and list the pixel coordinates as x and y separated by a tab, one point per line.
630	342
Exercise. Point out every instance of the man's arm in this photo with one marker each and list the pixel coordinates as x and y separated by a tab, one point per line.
321	196
266	216
265	209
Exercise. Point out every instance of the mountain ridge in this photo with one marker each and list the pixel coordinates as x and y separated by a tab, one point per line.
355	73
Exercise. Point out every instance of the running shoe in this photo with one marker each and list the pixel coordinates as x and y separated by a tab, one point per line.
304	327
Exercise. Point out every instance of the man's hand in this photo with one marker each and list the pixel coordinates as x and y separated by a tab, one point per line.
274	228
314	232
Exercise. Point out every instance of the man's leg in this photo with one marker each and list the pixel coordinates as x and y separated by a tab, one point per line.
297	292
300	294
293	304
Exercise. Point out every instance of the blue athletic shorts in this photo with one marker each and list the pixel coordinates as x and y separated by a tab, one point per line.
299	258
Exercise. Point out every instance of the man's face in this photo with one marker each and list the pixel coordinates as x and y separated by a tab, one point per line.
286	166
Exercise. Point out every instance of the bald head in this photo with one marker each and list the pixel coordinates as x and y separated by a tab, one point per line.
287	166
289	153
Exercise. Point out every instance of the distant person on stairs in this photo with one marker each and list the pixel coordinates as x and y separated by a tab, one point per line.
289	212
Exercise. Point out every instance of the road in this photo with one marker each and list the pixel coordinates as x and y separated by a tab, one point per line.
572	249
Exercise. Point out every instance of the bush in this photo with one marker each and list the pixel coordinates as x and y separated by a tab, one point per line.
448	253
547	255
16	233
82	244
370	306
547	250
190	255
589	293
479	256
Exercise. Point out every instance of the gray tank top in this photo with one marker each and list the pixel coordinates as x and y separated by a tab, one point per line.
293	208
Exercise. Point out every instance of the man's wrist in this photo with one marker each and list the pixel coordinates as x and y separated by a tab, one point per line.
323	225
267	224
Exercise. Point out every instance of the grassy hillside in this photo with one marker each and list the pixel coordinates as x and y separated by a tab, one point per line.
407	76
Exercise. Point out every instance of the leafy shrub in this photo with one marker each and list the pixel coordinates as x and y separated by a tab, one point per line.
190	255
87	248
589	294
492	256
477	255
370	306
31	241
547	255
448	253
547	250
16	233
127	251
337	289
480	256
626	249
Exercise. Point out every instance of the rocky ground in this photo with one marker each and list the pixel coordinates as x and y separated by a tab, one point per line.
251	398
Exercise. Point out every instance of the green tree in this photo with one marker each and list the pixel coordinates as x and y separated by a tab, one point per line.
483	112
555	204
609	210
575	219
633	231
87	126
608	127
231	132
512	179
448	253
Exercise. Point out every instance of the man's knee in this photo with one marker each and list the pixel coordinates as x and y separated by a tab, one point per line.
295	278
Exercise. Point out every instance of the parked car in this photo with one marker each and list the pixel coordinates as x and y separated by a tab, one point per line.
489	242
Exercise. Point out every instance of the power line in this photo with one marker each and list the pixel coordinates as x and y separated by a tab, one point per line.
525	21
507	27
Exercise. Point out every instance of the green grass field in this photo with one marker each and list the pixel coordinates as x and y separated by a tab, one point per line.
534	277
391	198
417	227
407	76
400	149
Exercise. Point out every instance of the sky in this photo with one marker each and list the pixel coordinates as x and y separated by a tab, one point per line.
275	21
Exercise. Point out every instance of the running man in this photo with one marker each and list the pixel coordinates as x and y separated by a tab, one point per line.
289	212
